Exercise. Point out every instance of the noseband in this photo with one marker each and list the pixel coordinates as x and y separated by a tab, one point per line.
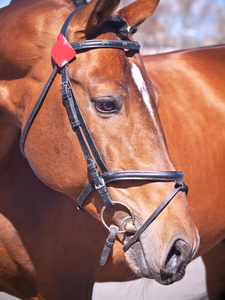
100	180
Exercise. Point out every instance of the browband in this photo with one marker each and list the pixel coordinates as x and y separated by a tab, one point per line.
117	44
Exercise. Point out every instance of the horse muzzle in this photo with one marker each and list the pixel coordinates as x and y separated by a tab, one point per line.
166	267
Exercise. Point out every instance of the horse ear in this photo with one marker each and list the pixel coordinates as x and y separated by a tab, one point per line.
138	11
89	18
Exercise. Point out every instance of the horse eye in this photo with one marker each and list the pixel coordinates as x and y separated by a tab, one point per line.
105	106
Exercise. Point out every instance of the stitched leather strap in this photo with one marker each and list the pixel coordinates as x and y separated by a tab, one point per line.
80	128
148	176
116	44
76	119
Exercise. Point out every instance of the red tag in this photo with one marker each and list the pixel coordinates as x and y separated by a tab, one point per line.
62	52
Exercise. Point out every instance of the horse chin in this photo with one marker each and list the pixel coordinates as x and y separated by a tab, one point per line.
137	262
167	280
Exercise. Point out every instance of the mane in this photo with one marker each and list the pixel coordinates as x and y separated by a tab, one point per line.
118	25
121	28
80	2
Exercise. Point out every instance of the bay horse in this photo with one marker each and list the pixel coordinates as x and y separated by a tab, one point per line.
193	80
192	111
47	247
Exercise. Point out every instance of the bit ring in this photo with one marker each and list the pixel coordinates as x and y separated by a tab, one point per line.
120	203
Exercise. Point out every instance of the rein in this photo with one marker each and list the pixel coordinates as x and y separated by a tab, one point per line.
100	181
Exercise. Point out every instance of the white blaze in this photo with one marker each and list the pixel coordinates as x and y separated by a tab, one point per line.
139	80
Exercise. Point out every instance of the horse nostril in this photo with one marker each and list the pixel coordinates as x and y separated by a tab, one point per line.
177	257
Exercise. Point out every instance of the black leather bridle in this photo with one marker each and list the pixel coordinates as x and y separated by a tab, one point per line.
100	180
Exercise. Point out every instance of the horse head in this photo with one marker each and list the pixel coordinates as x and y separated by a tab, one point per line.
115	126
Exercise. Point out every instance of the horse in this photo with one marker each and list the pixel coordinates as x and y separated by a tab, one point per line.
199	74
192	109
45	242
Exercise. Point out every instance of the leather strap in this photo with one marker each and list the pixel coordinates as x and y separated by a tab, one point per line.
116	44
36	109
113	230
76	119
80	128
148	176
179	186
67	22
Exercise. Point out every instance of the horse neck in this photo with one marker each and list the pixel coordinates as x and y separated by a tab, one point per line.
11	111
15	82
9	133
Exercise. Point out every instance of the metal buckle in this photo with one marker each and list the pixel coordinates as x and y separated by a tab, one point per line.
99	183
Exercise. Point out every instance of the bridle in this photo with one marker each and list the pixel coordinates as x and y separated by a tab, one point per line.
100	180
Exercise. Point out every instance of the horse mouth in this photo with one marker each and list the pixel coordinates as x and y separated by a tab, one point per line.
141	267
167	279
137	262
145	267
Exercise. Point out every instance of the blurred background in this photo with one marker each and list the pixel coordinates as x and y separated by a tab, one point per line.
176	24
181	24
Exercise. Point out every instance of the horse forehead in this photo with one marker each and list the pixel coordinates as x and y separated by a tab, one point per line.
101	66
99	58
